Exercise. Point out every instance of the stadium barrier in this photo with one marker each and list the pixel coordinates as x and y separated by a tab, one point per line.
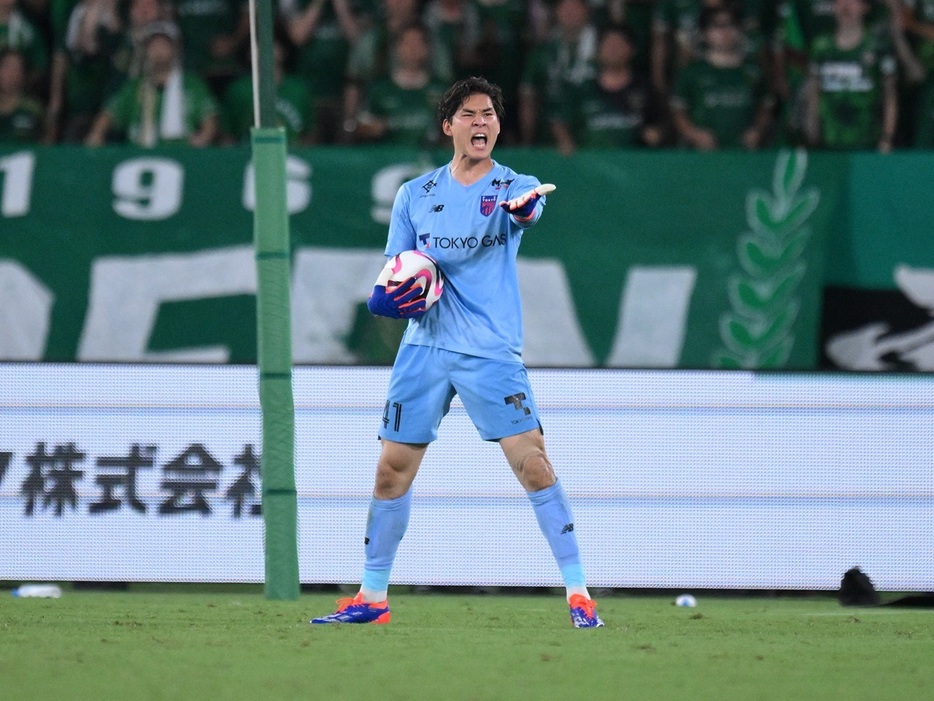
678	479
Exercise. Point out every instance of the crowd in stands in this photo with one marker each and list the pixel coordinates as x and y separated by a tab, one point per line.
693	74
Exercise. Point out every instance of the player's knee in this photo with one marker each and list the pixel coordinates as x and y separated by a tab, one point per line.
395	472
390	482
535	471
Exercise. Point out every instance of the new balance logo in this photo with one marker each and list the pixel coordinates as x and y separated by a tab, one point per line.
568	528
437	208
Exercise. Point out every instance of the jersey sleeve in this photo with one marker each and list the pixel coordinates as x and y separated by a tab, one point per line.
401	231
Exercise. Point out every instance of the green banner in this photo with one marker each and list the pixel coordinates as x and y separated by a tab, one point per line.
666	259
886	221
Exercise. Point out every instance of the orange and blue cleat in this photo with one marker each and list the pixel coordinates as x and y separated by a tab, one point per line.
356	610
584	612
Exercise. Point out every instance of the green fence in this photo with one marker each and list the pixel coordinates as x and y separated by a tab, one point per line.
665	259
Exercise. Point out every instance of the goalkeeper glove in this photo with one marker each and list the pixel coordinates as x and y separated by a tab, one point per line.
401	303
523	206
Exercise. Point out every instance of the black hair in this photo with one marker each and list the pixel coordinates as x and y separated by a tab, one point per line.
460	92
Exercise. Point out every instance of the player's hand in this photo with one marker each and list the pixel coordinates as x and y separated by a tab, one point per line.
401	303
523	206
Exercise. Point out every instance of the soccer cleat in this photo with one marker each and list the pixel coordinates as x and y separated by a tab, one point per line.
356	610
584	612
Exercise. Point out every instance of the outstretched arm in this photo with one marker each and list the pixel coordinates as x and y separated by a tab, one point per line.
523	207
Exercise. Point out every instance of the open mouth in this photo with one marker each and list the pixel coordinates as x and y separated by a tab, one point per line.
478	140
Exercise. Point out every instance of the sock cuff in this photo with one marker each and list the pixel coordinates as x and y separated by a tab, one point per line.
376	580
391	504
543	496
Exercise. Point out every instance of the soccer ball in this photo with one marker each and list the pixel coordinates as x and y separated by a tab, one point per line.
422	267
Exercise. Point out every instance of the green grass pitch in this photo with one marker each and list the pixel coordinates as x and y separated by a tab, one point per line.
232	643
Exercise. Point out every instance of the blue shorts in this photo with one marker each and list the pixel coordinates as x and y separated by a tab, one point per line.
496	394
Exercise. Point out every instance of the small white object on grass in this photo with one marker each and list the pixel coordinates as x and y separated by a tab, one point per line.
37	591
686	600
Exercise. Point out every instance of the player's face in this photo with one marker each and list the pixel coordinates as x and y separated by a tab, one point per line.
474	127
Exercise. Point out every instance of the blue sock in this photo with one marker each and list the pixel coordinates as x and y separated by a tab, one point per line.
573	576
553	511
386	522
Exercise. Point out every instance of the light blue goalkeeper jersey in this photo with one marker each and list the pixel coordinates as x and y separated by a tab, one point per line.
475	244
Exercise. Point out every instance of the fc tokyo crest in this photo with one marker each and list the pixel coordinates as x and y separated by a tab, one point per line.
487	204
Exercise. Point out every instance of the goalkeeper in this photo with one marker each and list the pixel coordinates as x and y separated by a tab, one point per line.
470	216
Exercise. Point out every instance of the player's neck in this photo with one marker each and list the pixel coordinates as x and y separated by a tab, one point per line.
467	171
